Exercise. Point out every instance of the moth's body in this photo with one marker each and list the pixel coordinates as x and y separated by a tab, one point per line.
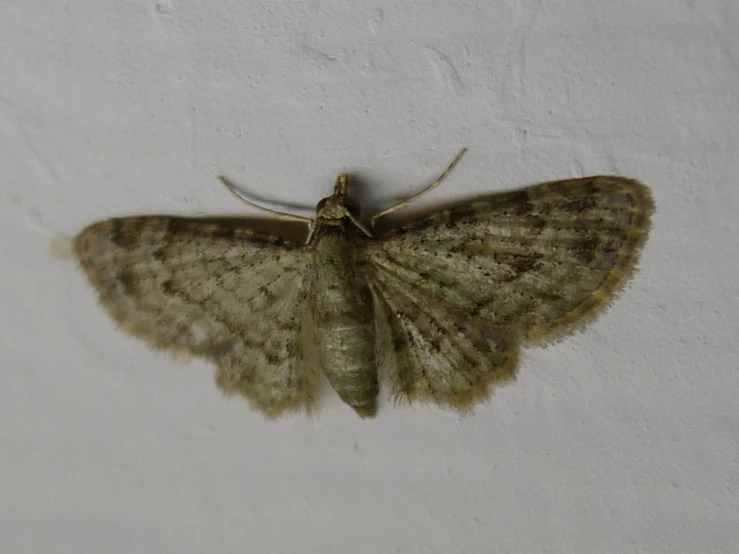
436	308
343	317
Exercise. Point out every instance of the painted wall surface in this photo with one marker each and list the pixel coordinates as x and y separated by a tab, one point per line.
622	438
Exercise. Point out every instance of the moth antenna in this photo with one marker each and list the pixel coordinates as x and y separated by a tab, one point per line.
282	215
404	203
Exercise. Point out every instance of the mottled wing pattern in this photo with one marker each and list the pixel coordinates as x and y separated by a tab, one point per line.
458	289
214	289
429	350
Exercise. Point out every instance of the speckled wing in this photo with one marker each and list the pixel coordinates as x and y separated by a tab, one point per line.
211	288
527	265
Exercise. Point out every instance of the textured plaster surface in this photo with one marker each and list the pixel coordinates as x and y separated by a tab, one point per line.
622	438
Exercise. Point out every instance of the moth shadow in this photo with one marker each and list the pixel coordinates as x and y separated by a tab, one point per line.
361	194
411	213
294	231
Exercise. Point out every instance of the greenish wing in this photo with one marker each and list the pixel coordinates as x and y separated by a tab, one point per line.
210	288
526	265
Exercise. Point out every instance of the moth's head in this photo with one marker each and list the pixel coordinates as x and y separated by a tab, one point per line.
337	206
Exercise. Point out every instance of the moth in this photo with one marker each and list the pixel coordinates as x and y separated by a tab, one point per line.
436	307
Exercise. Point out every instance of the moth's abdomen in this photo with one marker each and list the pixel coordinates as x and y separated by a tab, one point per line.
344	322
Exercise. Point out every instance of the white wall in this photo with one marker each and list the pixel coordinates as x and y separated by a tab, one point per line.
623	438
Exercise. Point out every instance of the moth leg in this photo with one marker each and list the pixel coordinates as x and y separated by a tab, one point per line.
404	203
